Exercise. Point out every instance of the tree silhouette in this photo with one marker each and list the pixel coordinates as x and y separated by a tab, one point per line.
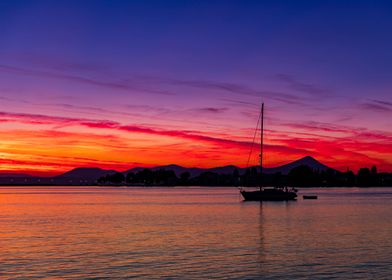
236	177
184	178
130	178
301	176
364	178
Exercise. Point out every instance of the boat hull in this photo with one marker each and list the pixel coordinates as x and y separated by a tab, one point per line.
268	195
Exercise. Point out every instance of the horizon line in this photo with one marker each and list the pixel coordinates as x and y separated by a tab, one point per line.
59	173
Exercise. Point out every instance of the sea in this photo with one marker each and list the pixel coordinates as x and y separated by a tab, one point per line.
193	233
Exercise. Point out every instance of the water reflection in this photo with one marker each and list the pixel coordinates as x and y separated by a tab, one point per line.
261	253
192	232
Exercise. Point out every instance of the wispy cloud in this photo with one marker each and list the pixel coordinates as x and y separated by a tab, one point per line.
300	86
239	103
382	102
317	126
96	75
223	86
37	118
114	85
91	109
377	106
60	64
354	132
333	150
213	110
197	136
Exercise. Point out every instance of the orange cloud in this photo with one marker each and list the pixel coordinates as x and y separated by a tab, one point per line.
42	144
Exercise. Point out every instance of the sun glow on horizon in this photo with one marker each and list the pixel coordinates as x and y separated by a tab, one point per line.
50	145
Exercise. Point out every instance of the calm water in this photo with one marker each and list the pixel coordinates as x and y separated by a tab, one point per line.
75	233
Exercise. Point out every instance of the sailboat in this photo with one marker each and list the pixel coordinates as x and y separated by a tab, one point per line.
264	193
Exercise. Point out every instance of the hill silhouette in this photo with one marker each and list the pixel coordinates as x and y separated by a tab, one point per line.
178	170
304	171
89	175
229	169
307	161
93	173
86	173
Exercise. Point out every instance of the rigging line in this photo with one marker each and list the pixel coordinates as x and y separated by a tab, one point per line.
253	142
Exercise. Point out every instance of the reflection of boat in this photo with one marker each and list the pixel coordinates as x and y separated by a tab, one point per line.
273	194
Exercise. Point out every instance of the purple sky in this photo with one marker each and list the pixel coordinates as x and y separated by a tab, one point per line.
323	68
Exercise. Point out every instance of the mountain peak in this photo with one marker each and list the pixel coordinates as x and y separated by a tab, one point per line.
170	165
87	172
309	157
309	161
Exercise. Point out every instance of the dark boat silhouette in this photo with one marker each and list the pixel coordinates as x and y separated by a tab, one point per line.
269	194
263	193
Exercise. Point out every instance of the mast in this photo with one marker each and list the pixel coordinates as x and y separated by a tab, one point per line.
261	143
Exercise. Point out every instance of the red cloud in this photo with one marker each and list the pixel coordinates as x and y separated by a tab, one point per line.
102	124
353	149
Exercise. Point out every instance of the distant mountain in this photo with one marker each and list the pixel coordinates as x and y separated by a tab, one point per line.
194	171
89	176
229	169
178	170
85	173
308	161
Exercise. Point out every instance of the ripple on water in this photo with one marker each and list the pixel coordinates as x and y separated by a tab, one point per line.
196	233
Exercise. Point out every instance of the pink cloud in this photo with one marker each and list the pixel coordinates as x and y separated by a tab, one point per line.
103	124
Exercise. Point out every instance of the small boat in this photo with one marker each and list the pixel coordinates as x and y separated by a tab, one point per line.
263	193
309	197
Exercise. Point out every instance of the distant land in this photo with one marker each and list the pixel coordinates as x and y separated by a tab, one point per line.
90	175
95	176
229	169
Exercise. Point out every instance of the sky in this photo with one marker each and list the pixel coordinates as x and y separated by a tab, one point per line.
119	84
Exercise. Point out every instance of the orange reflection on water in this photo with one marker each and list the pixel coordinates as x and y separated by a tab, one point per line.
197	232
